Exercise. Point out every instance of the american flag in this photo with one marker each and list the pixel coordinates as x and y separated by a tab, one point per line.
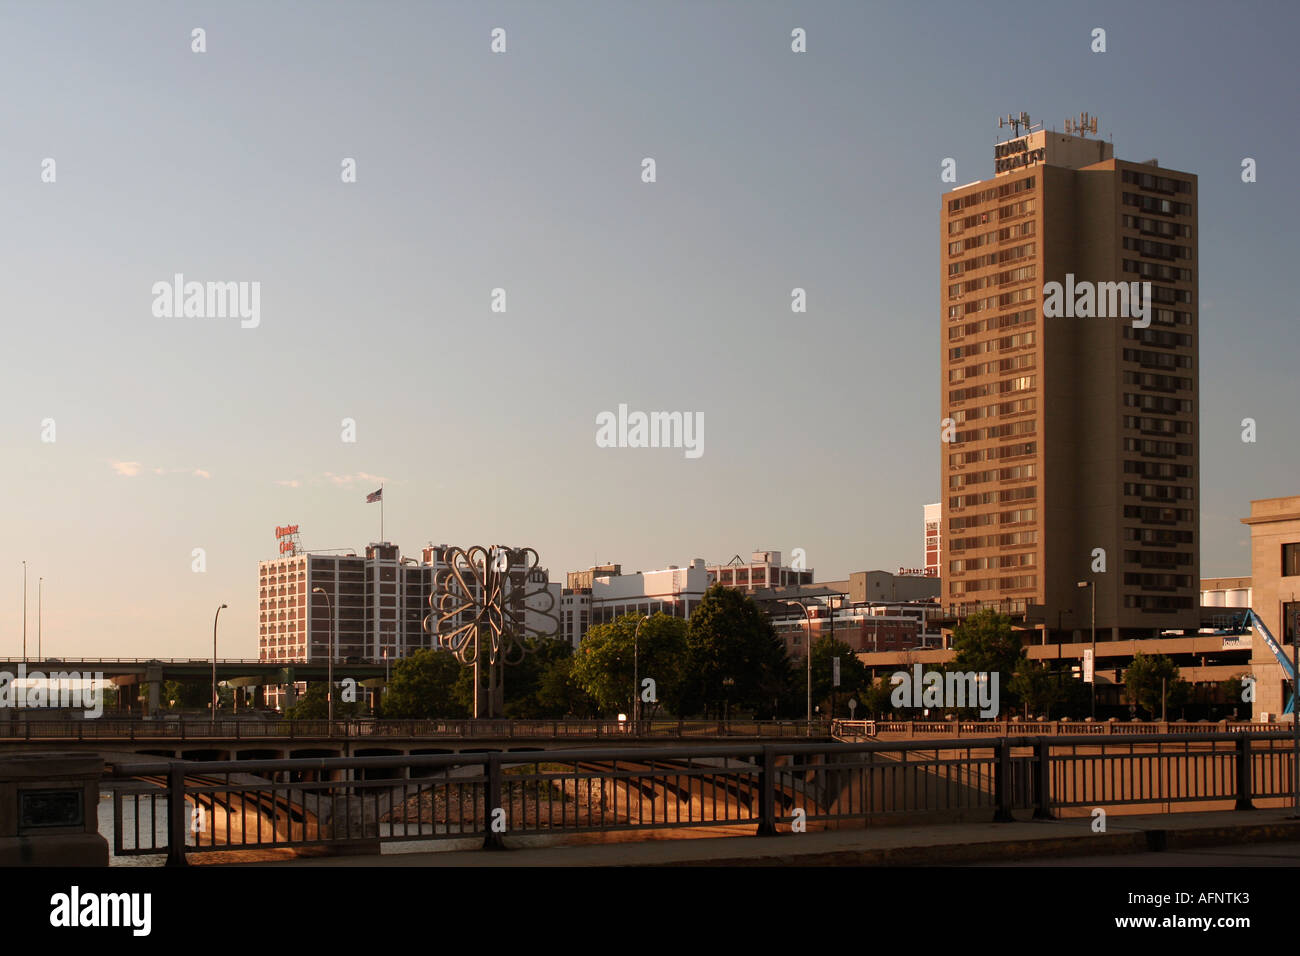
375	496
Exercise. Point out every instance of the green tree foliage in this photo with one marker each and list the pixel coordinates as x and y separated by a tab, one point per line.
523	681
984	643
1233	690
603	664
877	698
314	705
1038	688
1143	678
560	694
854	678
195	695
425	685
730	637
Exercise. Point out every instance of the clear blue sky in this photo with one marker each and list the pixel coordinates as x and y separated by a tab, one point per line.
522	171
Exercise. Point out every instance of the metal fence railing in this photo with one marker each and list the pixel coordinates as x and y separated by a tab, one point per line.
1061	728
176	806
258	728
262	729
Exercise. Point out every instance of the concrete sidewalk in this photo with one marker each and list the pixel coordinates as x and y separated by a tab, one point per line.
932	845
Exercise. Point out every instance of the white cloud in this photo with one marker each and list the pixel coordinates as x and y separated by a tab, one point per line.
291	483
129	469
352	479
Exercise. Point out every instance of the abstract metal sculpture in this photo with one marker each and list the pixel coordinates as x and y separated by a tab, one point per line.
480	607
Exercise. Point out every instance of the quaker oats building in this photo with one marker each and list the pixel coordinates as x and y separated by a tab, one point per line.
1071	437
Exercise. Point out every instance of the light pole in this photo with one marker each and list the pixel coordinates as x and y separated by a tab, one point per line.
636	683
808	654
329	694
1092	588
215	617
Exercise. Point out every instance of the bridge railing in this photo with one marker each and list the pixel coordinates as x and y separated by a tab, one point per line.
260	729
1061	728
173	807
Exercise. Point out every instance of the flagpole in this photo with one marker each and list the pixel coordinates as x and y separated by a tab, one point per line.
381	513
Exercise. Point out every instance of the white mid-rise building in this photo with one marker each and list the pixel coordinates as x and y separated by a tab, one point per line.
599	595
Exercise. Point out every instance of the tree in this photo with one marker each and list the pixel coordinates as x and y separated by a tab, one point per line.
559	694
877	698
314	705
424	685
603	664
854	678
1038	687
1234	696
522	682
729	637
194	695
985	644
1150	676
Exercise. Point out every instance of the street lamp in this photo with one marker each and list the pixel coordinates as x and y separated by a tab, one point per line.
215	617
329	694
636	683
1092	588
808	654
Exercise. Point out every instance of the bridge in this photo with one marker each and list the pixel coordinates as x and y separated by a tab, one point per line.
132	675
249	738
357	804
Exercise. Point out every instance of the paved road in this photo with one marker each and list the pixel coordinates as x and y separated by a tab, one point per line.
1249	855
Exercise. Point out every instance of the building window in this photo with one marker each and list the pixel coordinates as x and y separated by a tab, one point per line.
1291	560
1289	611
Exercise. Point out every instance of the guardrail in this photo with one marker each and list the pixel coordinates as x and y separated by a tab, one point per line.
1062	728
362	802
261	729
170	728
32	662
853	728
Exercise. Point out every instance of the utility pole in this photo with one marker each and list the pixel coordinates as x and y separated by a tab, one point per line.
636	684
1295	698
214	664
329	667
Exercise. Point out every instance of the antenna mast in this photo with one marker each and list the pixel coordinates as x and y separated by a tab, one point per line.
1084	124
1015	122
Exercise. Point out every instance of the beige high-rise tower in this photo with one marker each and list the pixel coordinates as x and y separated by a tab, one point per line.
1072	409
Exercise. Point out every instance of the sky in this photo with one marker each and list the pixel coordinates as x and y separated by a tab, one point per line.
523	171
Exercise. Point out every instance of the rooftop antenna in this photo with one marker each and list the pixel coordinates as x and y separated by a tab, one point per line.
1015	122
1084	124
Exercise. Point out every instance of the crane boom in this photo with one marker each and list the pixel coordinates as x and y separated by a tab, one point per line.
1252	620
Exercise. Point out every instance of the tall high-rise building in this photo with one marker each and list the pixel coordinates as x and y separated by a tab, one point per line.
1070	388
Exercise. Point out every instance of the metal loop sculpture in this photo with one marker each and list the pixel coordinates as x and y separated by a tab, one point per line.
481	601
